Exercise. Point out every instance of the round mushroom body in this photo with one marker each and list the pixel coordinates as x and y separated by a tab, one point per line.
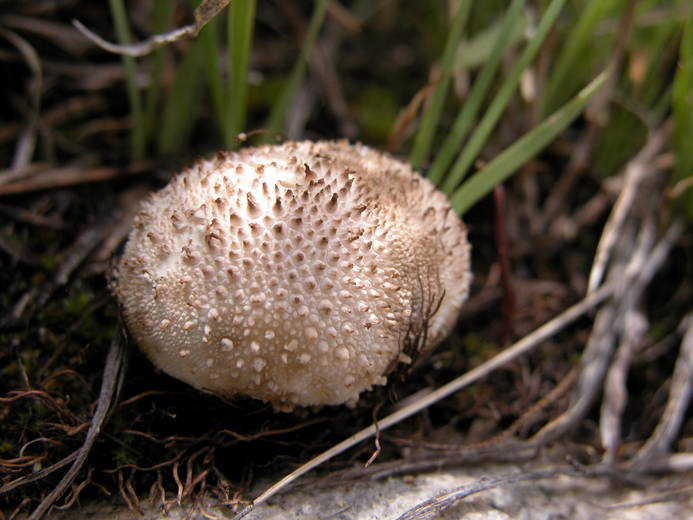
298	274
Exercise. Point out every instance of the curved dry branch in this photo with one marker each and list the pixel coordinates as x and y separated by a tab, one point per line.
203	14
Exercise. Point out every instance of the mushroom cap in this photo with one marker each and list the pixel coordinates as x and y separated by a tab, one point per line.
298	274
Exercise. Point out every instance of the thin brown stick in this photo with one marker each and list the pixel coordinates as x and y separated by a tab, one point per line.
38	475
378	447
50	178
75	492
128	494
509	300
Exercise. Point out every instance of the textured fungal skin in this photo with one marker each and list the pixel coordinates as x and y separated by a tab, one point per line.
298	274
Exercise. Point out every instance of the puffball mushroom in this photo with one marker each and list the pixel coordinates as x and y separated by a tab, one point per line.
298	274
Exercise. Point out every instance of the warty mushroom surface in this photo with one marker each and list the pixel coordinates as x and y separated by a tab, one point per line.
298	274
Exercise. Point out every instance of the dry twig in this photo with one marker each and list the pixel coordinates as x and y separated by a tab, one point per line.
24	150
658	445
635	174
203	14
46	177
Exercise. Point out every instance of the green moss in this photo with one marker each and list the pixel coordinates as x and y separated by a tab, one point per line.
51	262
478	348
78	302
7	447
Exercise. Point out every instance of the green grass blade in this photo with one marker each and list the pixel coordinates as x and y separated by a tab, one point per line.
511	159
182	103
579	38
240	37
139	131
465	118
275	122
659	44
477	50
682	105
209	41
161	14
429	121
500	101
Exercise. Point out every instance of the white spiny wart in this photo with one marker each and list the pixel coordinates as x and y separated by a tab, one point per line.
299	274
